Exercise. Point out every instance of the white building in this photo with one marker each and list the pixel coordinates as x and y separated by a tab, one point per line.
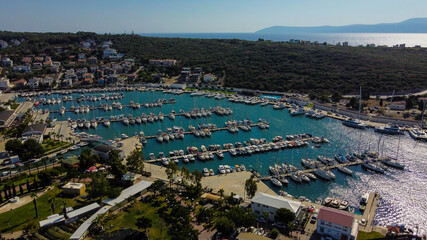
7	62
22	68
4	84
400	106
103	150
208	77
337	224
33	83
109	52
263	202
3	44
299	101
34	131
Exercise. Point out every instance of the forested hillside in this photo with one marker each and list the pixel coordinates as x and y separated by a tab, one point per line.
265	65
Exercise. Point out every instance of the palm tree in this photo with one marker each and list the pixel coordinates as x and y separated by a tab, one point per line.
44	161
221	192
265	215
34	196
52	202
29	168
143	222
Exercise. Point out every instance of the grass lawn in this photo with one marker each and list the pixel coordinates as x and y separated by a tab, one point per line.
17	218
50	145
366	236
127	219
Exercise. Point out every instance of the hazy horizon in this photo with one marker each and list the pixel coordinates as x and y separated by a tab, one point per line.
191	16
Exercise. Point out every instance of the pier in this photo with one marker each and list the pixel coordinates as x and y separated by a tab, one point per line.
225	150
357	162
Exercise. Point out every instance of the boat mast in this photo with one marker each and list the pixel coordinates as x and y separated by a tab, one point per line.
360	101
389	107
422	114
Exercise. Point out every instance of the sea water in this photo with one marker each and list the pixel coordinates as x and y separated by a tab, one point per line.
403	192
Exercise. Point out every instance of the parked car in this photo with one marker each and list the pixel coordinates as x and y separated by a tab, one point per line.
279	225
313	218
260	219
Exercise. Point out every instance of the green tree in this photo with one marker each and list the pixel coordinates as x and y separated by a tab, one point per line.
15	146
117	167
266	216
336	97
52	202
274	233
225	226
44	160
114	192
28	186
197	176
45	178
186	175
324	98
86	159
143	223
205	215
171	170
284	215
34	196
13	189
241	217
99	186
251	187
32	149
134	162
157	186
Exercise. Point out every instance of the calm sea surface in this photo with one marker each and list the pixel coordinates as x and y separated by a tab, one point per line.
403	192
354	39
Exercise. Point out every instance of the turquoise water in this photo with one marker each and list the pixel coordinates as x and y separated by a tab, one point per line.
270	97
403	192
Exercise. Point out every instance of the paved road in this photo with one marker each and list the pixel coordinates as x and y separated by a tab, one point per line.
6	97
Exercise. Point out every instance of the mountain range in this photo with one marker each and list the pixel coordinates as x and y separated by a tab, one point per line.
413	25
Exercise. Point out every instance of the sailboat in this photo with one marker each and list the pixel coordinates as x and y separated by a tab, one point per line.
356	123
418	133
389	129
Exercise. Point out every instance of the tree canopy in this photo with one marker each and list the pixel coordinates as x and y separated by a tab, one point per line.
251	187
134	162
284	215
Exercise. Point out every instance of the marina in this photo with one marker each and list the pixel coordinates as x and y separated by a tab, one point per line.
389	184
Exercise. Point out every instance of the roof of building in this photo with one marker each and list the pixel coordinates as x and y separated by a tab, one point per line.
72	214
86	224
5	115
103	148
251	236
276	202
128	192
20	81
211	196
73	185
399	103
35	128
336	216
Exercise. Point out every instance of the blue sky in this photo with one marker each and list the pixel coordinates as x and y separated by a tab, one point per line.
189	16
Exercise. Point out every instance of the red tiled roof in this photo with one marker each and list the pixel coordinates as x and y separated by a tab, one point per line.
399	103
336	216
20	81
393	229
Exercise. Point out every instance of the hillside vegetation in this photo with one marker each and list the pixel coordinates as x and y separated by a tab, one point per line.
263	65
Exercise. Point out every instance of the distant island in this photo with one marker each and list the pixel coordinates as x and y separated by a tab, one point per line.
413	25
